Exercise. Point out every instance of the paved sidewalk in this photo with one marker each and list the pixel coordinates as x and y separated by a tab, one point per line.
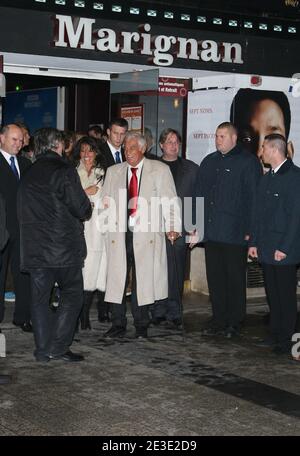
163	386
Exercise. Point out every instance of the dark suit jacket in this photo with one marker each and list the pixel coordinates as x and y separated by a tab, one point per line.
277	224
3	230
185	181
9	187
52	205
104	148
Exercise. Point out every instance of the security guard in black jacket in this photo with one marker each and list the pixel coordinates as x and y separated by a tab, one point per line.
227	180
276	239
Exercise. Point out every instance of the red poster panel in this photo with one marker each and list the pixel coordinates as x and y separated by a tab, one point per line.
134	114
173	87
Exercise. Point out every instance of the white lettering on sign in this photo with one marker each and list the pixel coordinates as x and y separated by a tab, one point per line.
161	49
71	32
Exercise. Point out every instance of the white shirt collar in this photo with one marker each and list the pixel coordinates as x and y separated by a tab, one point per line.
8	156
114	150
279	166
138	166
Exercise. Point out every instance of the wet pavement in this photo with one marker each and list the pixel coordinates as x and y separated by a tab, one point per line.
174	383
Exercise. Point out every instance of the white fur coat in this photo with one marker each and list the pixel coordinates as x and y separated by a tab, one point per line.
95	265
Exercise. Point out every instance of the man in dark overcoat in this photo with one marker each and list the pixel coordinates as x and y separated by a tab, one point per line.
12	169
52	206
227	179
275	240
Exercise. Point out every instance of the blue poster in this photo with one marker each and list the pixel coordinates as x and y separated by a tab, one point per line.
35	108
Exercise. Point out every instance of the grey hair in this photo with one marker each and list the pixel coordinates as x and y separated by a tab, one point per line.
46	139
140	138
229	126
278	141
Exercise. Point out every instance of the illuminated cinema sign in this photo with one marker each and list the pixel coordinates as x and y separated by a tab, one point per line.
161	49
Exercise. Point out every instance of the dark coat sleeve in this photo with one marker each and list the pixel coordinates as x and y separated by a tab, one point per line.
75	197
251	180
198	190
292	206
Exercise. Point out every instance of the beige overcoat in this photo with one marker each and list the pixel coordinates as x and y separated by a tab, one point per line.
149	246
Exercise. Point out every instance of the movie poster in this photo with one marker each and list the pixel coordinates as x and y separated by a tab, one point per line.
255	112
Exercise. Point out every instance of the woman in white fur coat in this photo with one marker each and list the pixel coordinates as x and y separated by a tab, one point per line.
91	167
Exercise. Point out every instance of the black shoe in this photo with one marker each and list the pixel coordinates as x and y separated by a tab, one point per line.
173	324
141	333
115	331
267	342
104	314
157	321
4	379
54	306
231	331
69	356
282	349
26	326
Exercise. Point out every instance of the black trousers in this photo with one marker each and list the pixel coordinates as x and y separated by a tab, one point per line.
281	290
140	313
226	277
53	332
171	308
21	283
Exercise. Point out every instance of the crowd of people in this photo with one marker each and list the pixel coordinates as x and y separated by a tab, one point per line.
79	216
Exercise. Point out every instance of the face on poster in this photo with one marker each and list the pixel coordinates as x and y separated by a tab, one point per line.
256	113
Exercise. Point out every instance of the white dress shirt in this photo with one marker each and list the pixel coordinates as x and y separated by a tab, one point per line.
7	157
114	150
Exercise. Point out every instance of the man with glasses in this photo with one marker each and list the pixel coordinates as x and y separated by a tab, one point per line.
184	173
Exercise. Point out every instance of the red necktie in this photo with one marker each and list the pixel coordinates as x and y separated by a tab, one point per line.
133	192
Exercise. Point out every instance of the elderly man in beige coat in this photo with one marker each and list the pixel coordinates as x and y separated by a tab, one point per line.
142	205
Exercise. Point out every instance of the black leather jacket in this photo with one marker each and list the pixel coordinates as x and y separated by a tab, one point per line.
51	208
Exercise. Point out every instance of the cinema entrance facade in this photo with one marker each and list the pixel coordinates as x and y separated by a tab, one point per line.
142	69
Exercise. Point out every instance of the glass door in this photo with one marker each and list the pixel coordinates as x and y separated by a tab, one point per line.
134	96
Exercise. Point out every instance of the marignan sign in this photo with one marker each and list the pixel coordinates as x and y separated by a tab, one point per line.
161	50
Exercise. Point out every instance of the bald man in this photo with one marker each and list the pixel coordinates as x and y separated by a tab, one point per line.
12	168
275	240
